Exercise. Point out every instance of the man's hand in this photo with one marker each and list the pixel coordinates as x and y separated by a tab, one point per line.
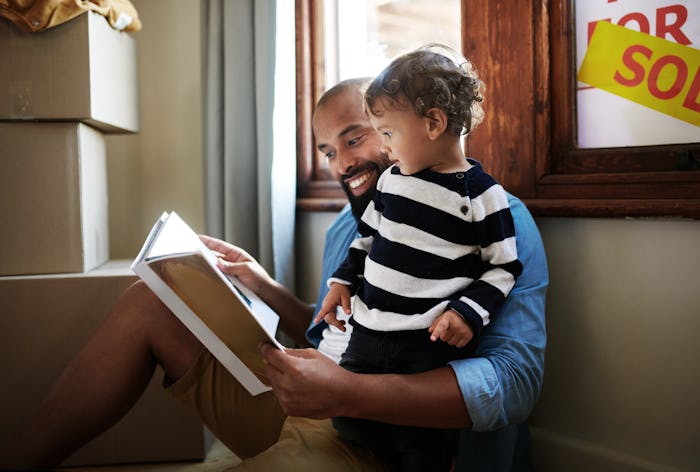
310	385
235	261
306	382
452	329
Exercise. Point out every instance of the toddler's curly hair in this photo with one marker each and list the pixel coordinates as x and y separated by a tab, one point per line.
433	76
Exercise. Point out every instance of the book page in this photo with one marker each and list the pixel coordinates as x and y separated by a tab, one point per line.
229	319
174	237
191	278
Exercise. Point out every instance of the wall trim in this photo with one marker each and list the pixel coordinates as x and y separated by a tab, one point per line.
554	452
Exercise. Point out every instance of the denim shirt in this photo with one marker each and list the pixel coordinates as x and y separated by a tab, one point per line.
501	383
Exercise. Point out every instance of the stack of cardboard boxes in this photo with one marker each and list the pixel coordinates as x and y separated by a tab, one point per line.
61	90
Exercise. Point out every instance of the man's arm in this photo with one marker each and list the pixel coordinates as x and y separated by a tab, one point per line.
309	384
294	313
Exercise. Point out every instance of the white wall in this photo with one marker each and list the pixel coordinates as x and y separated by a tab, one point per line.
160	168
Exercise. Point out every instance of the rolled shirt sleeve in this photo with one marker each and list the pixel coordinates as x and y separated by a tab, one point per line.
502	382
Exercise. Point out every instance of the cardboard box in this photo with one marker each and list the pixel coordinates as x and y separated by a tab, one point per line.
45	320
81	70
53	198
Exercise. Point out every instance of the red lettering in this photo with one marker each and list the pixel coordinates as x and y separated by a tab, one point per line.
691	100
635	67
639	18
677	86
674	29
664	28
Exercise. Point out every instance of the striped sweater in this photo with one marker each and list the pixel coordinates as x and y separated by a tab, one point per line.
431	242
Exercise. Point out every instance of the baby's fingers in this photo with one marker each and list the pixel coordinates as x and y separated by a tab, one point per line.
345	303
320	316
325	310
332	320
459	339
439	328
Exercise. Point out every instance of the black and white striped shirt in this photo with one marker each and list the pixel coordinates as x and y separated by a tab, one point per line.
431	242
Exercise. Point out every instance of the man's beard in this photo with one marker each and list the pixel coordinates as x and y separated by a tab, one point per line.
358	204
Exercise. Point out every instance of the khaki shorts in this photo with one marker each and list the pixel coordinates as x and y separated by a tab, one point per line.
256	429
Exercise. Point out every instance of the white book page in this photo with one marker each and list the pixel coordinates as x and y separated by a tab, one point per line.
174	236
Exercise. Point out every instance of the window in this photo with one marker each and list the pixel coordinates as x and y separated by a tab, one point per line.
635	83
340	39
526	55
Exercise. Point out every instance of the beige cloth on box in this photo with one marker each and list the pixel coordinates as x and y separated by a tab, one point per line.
33	16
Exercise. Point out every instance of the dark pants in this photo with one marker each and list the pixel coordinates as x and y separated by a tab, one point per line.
400	352
502	450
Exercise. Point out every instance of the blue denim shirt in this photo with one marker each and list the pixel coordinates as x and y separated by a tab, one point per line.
501	384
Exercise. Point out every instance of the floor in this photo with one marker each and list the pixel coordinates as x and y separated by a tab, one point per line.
218	459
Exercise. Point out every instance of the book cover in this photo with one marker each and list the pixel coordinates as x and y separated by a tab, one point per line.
226	317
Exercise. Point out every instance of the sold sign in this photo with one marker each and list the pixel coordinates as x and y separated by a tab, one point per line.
651	71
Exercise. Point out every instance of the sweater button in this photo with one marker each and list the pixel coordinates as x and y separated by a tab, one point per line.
459	175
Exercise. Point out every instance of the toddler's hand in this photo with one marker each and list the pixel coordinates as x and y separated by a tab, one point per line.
452	329
338	295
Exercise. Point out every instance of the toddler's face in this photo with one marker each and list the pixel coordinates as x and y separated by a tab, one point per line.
404	136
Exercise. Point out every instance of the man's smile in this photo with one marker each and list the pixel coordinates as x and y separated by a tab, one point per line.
354	183
358	183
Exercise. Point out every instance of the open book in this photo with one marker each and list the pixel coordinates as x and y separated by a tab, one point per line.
221	312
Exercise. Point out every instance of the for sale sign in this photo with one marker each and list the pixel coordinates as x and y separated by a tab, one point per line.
639	72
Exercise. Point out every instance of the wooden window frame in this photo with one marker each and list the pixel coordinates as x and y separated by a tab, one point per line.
316	189
528	140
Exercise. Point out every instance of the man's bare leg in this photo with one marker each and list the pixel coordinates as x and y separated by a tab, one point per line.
101	384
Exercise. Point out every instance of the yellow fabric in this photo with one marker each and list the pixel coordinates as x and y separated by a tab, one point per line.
33	16
311	445
256	429
247	425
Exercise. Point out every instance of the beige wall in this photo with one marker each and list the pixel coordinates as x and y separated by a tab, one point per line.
160	168
621	380
310	238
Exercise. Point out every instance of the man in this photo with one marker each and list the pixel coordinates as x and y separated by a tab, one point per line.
494	391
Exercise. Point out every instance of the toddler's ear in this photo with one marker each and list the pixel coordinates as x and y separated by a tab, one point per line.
436	122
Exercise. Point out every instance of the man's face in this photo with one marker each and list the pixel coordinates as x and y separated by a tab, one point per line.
345	137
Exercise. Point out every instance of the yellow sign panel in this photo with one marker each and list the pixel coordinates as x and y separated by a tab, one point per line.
651	71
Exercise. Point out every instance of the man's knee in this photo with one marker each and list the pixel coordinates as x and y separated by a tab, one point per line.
138	298
169	341
140	308
140	291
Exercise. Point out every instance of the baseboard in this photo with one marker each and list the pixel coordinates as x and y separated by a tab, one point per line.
553	452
